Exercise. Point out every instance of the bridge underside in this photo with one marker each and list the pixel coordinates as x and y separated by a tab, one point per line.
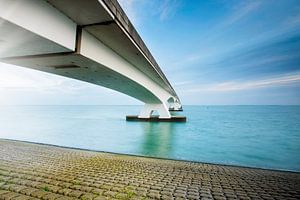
43	38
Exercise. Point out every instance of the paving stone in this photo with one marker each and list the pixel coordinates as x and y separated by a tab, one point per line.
65	198
39	171
244	197
180	191
110	193
168	190
179	198
181	195
121	196
86	189
17	188
166	193
219	197
153	195
88	196
22	197
39	193
65	191
195	197
75	193
97	191
106	187
9	195
8	186
165	197
51	196
100	198
2	192
205	195
141	193
28	191
206	198
53	188
140	189
65	184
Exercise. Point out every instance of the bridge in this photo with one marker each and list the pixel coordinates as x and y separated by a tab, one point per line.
88	40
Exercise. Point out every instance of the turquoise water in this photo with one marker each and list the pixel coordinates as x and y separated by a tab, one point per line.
257	136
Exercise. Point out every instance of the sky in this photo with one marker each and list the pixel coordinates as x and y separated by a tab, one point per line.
214	52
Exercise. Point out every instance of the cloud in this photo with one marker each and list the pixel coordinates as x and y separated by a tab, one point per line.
23	86
291	22
277	51
140	10
23	79
16	77
241	11
228	86
218	32
168	9
182	83
129	6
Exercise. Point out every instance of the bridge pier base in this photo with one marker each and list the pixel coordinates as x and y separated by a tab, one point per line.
136	118
162	110
175	107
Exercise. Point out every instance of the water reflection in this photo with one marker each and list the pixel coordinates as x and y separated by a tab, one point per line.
158	139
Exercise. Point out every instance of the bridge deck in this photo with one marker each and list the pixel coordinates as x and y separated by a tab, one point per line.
109	23
41	171
92	41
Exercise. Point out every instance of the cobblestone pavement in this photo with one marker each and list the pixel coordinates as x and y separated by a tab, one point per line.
32	171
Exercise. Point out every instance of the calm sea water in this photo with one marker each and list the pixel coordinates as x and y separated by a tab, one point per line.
257	136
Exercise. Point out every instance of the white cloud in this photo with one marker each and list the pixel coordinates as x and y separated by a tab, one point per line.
208	51
283	80
168	9
291	22
129	6
16	77
182	83
19	78
23	86
241	11
208	54
138	10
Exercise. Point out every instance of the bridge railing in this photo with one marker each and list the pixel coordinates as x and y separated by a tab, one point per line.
120	15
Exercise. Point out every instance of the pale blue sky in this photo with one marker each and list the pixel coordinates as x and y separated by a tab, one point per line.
213	52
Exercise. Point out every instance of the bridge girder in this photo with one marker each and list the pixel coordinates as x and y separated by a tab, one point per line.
38	36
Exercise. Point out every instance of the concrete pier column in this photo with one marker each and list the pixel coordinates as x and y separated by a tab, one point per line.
177	106
162	110
174	104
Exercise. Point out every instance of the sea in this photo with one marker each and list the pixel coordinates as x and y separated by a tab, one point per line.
252	136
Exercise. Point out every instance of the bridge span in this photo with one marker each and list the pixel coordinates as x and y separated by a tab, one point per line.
88	40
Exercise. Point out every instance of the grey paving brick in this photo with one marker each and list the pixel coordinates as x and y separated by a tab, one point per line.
31	171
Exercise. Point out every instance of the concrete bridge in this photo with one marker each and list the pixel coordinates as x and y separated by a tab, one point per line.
88	40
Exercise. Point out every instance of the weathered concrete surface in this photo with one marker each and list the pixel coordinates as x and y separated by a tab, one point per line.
31	171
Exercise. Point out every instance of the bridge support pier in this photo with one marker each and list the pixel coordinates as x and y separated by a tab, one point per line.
162	110
175	107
